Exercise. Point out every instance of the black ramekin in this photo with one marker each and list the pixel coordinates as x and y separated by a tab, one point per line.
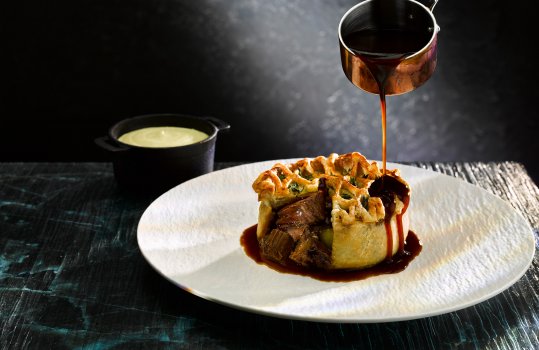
145	169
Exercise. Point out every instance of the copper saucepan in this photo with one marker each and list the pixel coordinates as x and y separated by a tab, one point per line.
413	70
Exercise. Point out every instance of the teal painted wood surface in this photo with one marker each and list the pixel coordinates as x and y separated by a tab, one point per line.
72	277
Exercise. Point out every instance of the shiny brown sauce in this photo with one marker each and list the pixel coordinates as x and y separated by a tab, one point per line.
382	50
411	248
386	187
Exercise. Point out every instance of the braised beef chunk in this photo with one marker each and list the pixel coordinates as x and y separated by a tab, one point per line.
276	246
311	252
294	231
294	237
306	211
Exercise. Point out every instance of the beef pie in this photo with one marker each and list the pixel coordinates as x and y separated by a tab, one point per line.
332	213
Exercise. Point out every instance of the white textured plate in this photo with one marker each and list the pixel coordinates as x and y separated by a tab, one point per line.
475	245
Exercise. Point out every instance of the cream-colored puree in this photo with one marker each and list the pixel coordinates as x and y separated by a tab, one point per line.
162	136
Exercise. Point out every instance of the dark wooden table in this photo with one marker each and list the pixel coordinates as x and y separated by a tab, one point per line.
72	277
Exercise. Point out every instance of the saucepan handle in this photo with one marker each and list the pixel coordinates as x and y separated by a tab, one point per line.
219	124
106	143
429	3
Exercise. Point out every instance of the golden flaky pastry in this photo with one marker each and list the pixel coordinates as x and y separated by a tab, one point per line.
337	212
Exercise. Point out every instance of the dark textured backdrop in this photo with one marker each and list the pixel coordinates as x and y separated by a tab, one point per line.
271	69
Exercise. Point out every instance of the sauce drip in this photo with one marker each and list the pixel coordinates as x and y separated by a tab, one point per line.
387	187
382	50
399	223
400	261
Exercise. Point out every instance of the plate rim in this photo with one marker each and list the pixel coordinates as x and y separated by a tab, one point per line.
311	318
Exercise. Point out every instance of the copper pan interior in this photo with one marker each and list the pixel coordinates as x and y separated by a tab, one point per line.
415	69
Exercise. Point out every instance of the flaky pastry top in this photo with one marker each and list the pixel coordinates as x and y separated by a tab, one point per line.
347	177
